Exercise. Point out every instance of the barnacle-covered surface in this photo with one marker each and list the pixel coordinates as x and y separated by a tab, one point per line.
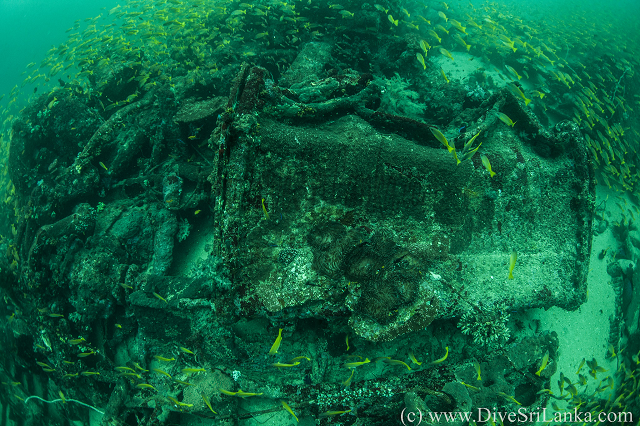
218	174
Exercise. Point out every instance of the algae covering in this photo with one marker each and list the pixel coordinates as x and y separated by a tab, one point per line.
387	229
209	234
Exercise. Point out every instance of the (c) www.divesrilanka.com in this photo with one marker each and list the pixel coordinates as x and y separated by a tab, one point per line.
483	415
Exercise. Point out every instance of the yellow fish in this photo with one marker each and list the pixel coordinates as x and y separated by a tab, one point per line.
145	386
509	397
457	25
421	60
467	146
435	34
444	75
284	365
512	264
160	297
513	71
518	93
538	93
193	370
240	393
178	403
413	358
163	359
356	364
381	8
300	357
333	413
446	354
159	371
445	52
470	386
461	41
505	119
206	401
443	16
441	28
276	344
347	382
286	407
425	46
487	165
396	362
438	134
545	358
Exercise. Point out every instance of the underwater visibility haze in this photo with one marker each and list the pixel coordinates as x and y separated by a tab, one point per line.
319	212
29	28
